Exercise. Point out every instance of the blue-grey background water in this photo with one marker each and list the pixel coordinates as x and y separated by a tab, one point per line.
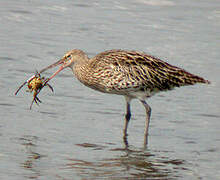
76	133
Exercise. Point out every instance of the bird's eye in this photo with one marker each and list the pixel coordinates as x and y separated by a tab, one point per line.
68	57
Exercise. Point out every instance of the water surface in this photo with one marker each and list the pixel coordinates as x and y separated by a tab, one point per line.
76	133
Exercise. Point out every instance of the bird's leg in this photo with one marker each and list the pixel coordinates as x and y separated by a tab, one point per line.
148	113
127	119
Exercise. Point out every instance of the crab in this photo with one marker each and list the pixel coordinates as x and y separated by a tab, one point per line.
35	85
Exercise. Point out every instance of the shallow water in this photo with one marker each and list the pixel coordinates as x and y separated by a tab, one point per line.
76	133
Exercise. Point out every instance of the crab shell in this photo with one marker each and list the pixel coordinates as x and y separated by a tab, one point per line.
35	84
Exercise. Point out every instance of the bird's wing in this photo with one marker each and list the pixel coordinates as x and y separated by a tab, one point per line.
145	70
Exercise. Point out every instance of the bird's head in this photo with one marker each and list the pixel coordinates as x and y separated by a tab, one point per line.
71	57
68	60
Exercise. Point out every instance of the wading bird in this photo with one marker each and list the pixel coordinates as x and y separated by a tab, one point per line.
132	74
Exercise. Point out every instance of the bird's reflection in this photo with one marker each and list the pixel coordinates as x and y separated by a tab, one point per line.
30	144
109	162
131	163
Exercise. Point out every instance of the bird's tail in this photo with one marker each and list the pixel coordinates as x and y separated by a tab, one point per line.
193	79
186	78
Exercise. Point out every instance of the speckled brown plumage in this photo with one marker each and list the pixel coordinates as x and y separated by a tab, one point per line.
121	72
132	74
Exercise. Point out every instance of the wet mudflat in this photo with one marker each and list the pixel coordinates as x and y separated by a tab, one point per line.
76	133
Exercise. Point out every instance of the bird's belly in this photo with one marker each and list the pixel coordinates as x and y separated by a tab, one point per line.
134	92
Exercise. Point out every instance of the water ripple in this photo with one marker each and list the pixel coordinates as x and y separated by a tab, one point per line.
209	115
133	164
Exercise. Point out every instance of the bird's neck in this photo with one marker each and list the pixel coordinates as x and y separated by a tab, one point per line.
82	70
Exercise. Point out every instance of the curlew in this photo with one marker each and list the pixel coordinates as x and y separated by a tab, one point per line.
132	74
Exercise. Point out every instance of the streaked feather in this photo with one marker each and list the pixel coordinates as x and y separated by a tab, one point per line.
120	71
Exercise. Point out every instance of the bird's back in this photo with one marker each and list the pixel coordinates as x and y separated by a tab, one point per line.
121	72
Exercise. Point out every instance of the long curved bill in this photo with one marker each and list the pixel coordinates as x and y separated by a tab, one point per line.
61	61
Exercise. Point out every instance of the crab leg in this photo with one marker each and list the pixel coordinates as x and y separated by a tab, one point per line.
51	88
32	77
35	99
20	88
